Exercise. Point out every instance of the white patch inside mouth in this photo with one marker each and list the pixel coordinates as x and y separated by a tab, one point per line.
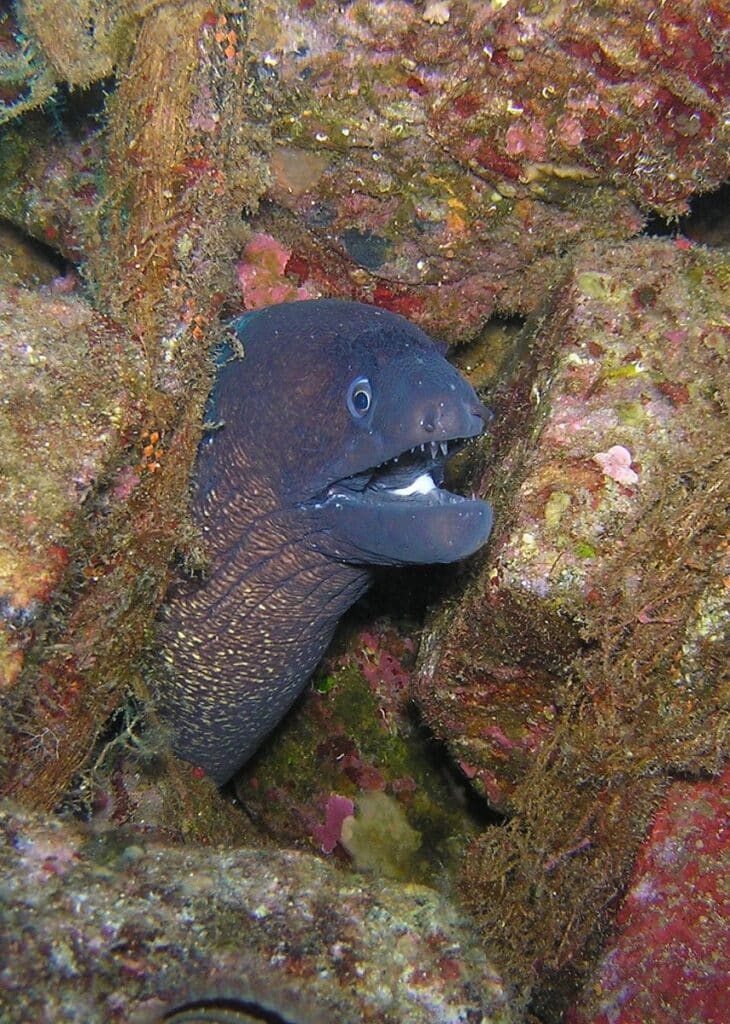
423	484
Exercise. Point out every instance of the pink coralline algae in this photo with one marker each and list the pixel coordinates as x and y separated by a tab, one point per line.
616	464
630	389
336	810
383	669
262	274
668	962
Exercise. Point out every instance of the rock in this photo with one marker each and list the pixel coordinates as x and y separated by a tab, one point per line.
83	465
72	382
617	418
442	165
668	960
50	189
22	262
584	660
438	170
112	927
155	220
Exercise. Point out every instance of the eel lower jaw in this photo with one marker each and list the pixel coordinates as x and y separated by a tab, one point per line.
397	514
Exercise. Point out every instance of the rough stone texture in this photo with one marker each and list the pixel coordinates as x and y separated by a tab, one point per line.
26	79
587	657
626	396
71	391
79	460
114	927
21	263
449	158
155	213
50	189
81	41
433	159
668	962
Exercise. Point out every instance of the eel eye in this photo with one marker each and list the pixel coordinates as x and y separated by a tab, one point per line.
359	397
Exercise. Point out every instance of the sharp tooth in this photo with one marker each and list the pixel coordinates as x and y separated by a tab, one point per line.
444	446
434	449
423	447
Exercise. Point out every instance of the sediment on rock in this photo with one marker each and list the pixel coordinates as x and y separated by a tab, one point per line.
582	664
137	927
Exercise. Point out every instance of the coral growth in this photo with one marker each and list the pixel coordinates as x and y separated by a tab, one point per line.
262	274
448	160
604	625
117	927
379	838
668	960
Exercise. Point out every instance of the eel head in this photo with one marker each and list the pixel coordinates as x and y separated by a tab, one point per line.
354	412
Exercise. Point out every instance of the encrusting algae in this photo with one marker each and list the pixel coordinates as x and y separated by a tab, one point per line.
465	159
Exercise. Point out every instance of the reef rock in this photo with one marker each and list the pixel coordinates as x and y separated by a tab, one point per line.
71	383
443	164
585	659
606	470
668	961
433	158
113	927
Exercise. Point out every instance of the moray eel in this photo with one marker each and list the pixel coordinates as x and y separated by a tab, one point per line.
334	426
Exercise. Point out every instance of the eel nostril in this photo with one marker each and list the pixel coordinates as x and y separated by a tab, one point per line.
484	413
429	422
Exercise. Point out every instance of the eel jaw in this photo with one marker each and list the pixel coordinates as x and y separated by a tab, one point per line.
398	513
416	473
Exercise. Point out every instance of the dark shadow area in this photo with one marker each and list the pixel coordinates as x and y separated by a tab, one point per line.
74	112
707	223
477	808
486	358
27	260
224	1009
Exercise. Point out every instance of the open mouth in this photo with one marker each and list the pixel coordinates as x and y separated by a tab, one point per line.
398	513
416	474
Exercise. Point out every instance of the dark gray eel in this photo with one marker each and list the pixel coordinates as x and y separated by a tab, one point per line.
336	424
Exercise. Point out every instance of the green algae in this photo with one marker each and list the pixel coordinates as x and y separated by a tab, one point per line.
301	763
379	838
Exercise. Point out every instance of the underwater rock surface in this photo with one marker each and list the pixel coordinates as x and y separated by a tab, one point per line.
668	961
459	146
70	390
147	216
431	158
112	927
585	661
620	399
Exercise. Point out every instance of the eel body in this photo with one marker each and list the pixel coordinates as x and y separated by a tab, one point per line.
334	426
